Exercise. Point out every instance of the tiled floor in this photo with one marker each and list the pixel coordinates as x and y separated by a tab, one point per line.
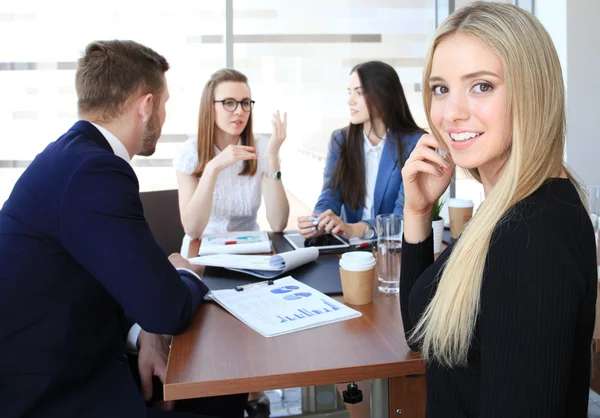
594	405
291	403
285	402
288	405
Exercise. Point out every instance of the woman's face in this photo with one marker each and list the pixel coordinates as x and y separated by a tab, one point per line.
359	113
468	106
231	122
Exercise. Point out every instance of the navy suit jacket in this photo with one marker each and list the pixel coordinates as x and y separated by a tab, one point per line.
389	189
77	259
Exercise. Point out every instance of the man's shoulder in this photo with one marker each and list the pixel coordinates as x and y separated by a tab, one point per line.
78	148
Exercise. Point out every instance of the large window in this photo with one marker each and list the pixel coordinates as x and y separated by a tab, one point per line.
297	56
37	72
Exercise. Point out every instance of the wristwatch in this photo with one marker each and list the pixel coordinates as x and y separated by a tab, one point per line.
275	176
369	231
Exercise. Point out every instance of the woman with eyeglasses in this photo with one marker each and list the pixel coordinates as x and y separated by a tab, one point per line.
223	173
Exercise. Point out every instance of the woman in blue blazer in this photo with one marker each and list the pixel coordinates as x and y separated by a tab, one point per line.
362	177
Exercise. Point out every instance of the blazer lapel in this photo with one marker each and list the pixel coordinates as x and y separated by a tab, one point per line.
389	160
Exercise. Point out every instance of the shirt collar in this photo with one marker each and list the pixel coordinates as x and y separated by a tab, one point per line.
368	146
114	142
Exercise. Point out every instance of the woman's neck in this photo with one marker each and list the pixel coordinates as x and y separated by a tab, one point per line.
223	139
375	132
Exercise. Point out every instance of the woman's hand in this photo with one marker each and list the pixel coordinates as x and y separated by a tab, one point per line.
278	135
330	223
231	155
426	175
307	226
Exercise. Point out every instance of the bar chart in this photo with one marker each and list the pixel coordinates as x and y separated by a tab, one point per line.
302	313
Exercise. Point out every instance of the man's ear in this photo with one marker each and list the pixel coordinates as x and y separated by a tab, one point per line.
145	105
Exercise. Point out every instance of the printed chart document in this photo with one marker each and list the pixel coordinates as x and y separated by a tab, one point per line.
284	306
245	242
264	266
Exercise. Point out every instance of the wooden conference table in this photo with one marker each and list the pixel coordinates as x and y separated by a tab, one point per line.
219	355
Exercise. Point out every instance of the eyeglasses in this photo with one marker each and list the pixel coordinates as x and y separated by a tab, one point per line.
231	104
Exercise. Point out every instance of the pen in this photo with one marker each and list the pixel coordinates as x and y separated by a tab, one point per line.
342	233
362	245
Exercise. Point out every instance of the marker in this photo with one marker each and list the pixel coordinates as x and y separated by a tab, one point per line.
240	242
362	245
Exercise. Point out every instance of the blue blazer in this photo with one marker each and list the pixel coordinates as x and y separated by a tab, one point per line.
78	264
389	189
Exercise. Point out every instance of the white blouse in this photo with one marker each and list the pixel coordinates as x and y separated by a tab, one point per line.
372	160
236	198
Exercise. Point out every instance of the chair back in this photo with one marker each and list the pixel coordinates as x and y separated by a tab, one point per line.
161	209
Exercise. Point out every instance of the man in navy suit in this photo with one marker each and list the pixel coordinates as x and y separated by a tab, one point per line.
79	267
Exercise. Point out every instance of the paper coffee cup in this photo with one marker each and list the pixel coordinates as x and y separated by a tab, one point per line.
357	270
460	212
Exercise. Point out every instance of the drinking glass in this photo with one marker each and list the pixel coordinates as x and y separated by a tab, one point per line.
389	252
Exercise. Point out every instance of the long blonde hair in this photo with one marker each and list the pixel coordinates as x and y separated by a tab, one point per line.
206	122
536	107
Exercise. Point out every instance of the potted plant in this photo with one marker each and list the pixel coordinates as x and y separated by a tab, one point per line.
437	224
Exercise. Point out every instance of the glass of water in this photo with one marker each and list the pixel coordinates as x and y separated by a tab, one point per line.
389	252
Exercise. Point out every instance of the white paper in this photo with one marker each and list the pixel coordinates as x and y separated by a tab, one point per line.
259	265
248	242
285	306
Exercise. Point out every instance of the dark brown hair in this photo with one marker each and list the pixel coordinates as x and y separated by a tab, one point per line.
110	72
385	99
206	122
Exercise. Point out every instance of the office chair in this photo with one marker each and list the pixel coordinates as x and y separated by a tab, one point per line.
161	209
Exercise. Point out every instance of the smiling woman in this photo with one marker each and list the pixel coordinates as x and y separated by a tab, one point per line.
504	317
468	105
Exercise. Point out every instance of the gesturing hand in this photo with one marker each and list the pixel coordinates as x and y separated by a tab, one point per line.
278	134
231	155
426	175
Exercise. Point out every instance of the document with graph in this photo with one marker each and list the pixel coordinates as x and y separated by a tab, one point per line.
277	307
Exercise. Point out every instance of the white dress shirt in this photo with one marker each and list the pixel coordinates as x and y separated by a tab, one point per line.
372	159
120	151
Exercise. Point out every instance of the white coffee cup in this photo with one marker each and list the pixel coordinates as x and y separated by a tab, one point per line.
357	271
357	261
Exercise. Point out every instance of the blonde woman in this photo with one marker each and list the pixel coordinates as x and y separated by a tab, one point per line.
505	316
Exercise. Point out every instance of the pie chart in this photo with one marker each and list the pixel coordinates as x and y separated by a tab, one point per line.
284	289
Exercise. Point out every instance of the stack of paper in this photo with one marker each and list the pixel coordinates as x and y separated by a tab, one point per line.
277	307
245	242
260	265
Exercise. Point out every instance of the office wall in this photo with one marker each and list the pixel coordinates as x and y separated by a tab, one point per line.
574	28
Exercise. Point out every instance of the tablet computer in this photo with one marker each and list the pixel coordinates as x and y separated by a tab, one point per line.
322	242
